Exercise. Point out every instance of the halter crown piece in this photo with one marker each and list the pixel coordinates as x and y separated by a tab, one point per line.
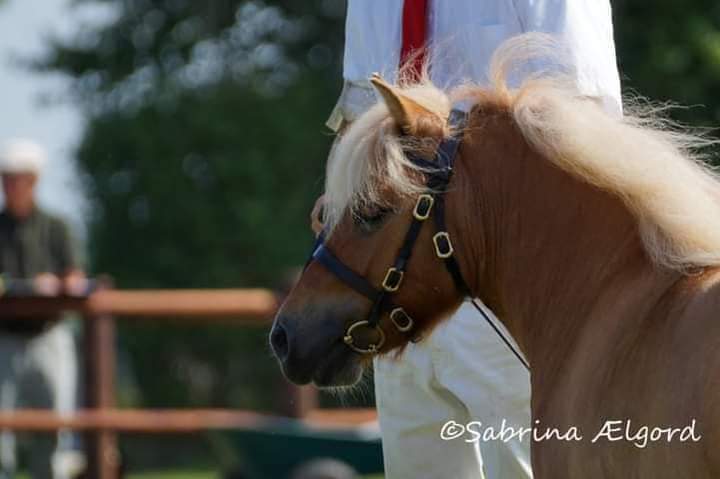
439	173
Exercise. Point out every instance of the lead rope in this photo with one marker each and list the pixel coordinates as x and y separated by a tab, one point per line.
501	334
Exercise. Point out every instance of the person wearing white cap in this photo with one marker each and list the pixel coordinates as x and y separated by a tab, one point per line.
39	364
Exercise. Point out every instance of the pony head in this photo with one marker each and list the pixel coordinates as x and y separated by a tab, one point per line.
371	193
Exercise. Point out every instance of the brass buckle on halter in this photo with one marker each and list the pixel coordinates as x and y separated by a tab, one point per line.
371	348
393	279
402	321
423	207
443	246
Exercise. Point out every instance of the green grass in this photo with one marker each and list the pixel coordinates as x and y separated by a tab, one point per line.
164	474
179	474
175	474
185	474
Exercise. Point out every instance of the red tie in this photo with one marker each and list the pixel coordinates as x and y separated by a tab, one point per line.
414	37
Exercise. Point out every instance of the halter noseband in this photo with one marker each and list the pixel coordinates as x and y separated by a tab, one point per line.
432	203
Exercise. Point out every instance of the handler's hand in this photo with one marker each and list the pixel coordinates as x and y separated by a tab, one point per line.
316	217
47	284
75	283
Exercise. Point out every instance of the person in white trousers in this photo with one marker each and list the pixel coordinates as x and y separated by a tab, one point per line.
462	371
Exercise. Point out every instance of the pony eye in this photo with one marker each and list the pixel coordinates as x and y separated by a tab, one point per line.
372	217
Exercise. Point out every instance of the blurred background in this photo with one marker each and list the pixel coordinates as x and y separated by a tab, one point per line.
187	146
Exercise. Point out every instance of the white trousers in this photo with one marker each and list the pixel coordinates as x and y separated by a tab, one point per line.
38	372
462	372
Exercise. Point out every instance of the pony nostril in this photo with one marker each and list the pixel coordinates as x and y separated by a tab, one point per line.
279	342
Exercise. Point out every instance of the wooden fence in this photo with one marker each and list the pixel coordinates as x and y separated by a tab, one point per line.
102	421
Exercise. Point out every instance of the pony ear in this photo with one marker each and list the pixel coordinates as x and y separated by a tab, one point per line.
405	111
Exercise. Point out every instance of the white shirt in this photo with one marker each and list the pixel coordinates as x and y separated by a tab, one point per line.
463	34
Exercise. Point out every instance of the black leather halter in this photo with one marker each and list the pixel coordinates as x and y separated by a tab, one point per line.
439	173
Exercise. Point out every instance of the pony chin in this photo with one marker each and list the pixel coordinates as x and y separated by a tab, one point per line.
341	368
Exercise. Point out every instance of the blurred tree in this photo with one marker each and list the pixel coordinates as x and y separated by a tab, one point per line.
670	51
197	166
203	151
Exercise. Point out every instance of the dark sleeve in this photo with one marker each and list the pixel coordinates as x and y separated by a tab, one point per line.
4	243
62	248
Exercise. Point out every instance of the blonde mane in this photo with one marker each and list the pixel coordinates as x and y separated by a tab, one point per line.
643	159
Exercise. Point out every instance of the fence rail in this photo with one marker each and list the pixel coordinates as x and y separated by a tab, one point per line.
173	421
245	305
102	421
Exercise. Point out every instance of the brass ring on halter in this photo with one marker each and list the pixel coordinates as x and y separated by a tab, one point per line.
423	207
443	246
371	348
393	280
402	321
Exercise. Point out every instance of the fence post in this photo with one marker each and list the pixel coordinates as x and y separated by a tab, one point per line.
102	447
298	401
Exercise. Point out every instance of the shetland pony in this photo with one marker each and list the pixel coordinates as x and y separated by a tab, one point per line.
595	239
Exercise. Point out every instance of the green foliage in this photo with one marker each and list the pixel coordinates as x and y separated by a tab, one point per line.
210	190
670	51
205	145
203	153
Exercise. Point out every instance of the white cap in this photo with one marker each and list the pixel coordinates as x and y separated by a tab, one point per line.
22	156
